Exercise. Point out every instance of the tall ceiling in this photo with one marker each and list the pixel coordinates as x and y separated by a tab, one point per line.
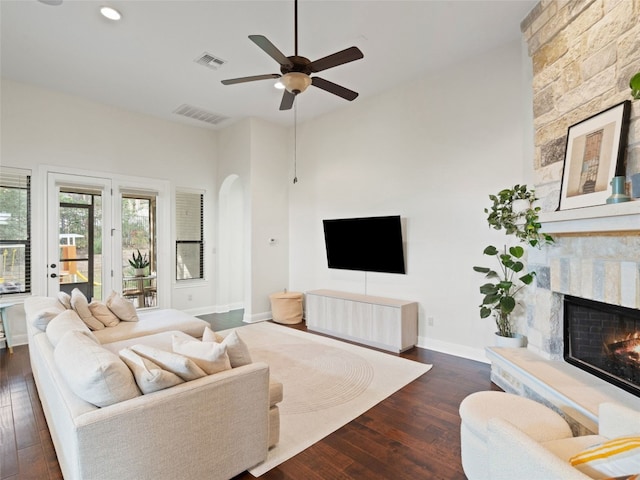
146	61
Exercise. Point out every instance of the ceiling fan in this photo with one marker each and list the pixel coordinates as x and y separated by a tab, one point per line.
297	70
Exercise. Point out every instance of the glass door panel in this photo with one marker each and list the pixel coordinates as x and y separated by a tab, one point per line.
80	234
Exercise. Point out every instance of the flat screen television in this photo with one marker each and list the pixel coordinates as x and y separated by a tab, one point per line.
371	244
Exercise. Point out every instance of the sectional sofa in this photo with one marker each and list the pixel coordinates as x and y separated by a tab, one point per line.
211	427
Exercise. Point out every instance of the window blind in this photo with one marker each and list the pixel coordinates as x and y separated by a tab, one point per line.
15	231
189	235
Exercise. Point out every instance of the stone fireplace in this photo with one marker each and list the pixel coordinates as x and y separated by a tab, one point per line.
583	53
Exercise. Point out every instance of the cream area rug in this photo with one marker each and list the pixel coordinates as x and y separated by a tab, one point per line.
326	382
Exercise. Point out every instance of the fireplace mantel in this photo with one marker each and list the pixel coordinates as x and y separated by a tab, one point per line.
611	218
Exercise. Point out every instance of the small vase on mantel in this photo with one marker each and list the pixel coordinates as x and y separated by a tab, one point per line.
516	341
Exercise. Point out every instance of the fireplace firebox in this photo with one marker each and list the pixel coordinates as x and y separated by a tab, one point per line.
603	340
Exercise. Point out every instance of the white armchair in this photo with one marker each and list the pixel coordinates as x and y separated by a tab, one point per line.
513	454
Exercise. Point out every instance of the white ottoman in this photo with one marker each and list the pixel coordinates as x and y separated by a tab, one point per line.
539	422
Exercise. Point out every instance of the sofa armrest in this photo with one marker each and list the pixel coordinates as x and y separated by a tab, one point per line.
616	420
214	427
513	454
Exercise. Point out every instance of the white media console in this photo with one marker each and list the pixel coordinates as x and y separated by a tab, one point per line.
379	322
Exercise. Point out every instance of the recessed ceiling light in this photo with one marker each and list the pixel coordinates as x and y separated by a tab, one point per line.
110	13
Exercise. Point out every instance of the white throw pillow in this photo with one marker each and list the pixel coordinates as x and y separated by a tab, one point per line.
209	356
92	372
614	458
173	362
65	322
211	336
122	308
42	318
80	304
65	299
149	376
102	313
237	350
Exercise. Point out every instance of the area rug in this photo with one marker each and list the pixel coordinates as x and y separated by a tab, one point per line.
326	382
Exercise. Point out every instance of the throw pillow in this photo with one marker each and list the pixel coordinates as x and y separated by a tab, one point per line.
92	372
209	356
66	322
102	313
65	299
42	318
122	308
237	350
211	336
617	457
178	364
80	304
149	376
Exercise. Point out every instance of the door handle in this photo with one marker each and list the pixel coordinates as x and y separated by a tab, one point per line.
53	275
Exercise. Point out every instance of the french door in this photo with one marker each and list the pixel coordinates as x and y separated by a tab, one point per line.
80	241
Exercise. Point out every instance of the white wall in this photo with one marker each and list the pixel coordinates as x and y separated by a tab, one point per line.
41	127
431	152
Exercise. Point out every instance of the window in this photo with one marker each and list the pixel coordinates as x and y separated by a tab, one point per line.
15	231
189	236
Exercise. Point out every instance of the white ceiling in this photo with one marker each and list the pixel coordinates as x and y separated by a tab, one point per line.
145	62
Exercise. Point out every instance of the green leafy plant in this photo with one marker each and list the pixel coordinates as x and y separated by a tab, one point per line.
500	295
635	86
139	260
509	278
523	223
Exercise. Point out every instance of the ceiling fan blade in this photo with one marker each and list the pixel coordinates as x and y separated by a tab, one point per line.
271	50
287	100
268	76
334	88
345	56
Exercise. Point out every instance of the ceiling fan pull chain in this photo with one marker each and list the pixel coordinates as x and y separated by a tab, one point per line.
295	143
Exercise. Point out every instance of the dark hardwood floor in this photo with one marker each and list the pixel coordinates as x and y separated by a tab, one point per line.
413	434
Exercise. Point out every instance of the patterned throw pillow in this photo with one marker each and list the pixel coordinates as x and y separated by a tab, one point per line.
619	457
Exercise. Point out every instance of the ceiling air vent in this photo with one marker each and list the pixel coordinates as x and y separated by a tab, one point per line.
210	61
200	114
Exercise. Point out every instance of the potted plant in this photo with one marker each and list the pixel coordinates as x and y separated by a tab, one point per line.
139	262
507	280
635	86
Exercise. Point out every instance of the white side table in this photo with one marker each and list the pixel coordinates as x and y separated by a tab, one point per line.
5	324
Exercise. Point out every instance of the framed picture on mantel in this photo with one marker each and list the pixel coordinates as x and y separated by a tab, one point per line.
593	156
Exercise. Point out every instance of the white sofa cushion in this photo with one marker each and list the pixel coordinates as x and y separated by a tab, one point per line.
182	366
92	372
65	322
102	313
149	376
122	308
80	304
209	356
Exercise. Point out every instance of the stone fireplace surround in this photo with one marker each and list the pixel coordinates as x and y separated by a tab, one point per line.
596	256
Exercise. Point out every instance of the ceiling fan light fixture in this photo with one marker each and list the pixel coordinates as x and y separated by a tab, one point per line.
295	82
279	85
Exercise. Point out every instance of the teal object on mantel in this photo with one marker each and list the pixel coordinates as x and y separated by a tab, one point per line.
617	191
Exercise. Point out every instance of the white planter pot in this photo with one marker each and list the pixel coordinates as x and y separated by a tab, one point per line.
509	342
139	272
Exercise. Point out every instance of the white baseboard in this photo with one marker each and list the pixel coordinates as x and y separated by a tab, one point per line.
20	339
477	354
257	317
